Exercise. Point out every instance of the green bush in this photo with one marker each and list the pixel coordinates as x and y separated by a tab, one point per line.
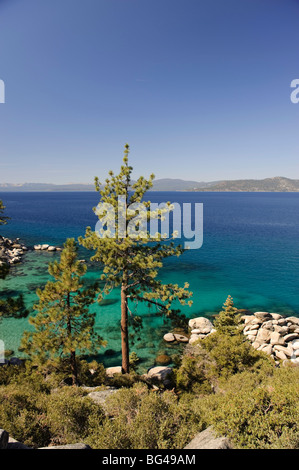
23	415
68	415
255	410
143	419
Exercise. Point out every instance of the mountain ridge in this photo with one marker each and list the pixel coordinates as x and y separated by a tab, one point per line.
274	184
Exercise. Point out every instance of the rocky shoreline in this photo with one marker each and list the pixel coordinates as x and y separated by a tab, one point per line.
11	251
271	333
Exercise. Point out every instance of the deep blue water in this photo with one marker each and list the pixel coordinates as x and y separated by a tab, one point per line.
250	251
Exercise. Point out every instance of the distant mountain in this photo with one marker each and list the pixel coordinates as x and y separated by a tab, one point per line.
170	184
166	184
277	184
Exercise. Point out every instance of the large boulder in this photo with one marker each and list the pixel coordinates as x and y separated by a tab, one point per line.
100	396
207	439
77	446
202	324
181	338
3	439
263	316
160	373
111	371
169	337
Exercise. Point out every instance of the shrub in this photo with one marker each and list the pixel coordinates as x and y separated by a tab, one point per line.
143	419
68	415
255	410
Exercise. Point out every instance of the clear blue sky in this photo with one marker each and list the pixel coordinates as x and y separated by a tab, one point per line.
200	89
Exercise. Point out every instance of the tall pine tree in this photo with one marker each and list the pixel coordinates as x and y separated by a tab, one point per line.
64	326
133	263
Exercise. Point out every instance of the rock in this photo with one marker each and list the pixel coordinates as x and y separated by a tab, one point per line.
263	315
37	247
295	344
281	355
282	330
253	327
181	338
201	323
160	373
288	351
275	338
256	344
110	371
163	360
3	439
52	248
268	325
78	446
293	320
194	338
101	396
267	349
246	318
250	332
282	322
44	247
276	316
13	444
207	439
169	337
264	335
291	337
251	337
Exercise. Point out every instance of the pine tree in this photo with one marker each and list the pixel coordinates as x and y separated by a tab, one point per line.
228	320
3	219
133	263
64	327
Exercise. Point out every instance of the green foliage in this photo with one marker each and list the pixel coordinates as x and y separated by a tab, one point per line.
64	326
13	308
256	411
68	414
193	374
143	419
22	414
3	219
228	320
231	354
134	361
132	262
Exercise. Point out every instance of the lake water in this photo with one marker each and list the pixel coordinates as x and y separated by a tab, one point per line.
250	251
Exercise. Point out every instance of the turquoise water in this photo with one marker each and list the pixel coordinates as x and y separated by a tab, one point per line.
250	251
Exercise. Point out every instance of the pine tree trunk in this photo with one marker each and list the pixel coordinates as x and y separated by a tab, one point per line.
73	362
124	330
74	368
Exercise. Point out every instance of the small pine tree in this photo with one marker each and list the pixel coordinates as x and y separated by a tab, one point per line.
228	320
64	327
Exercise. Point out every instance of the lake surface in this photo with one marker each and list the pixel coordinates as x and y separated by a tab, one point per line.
250	251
